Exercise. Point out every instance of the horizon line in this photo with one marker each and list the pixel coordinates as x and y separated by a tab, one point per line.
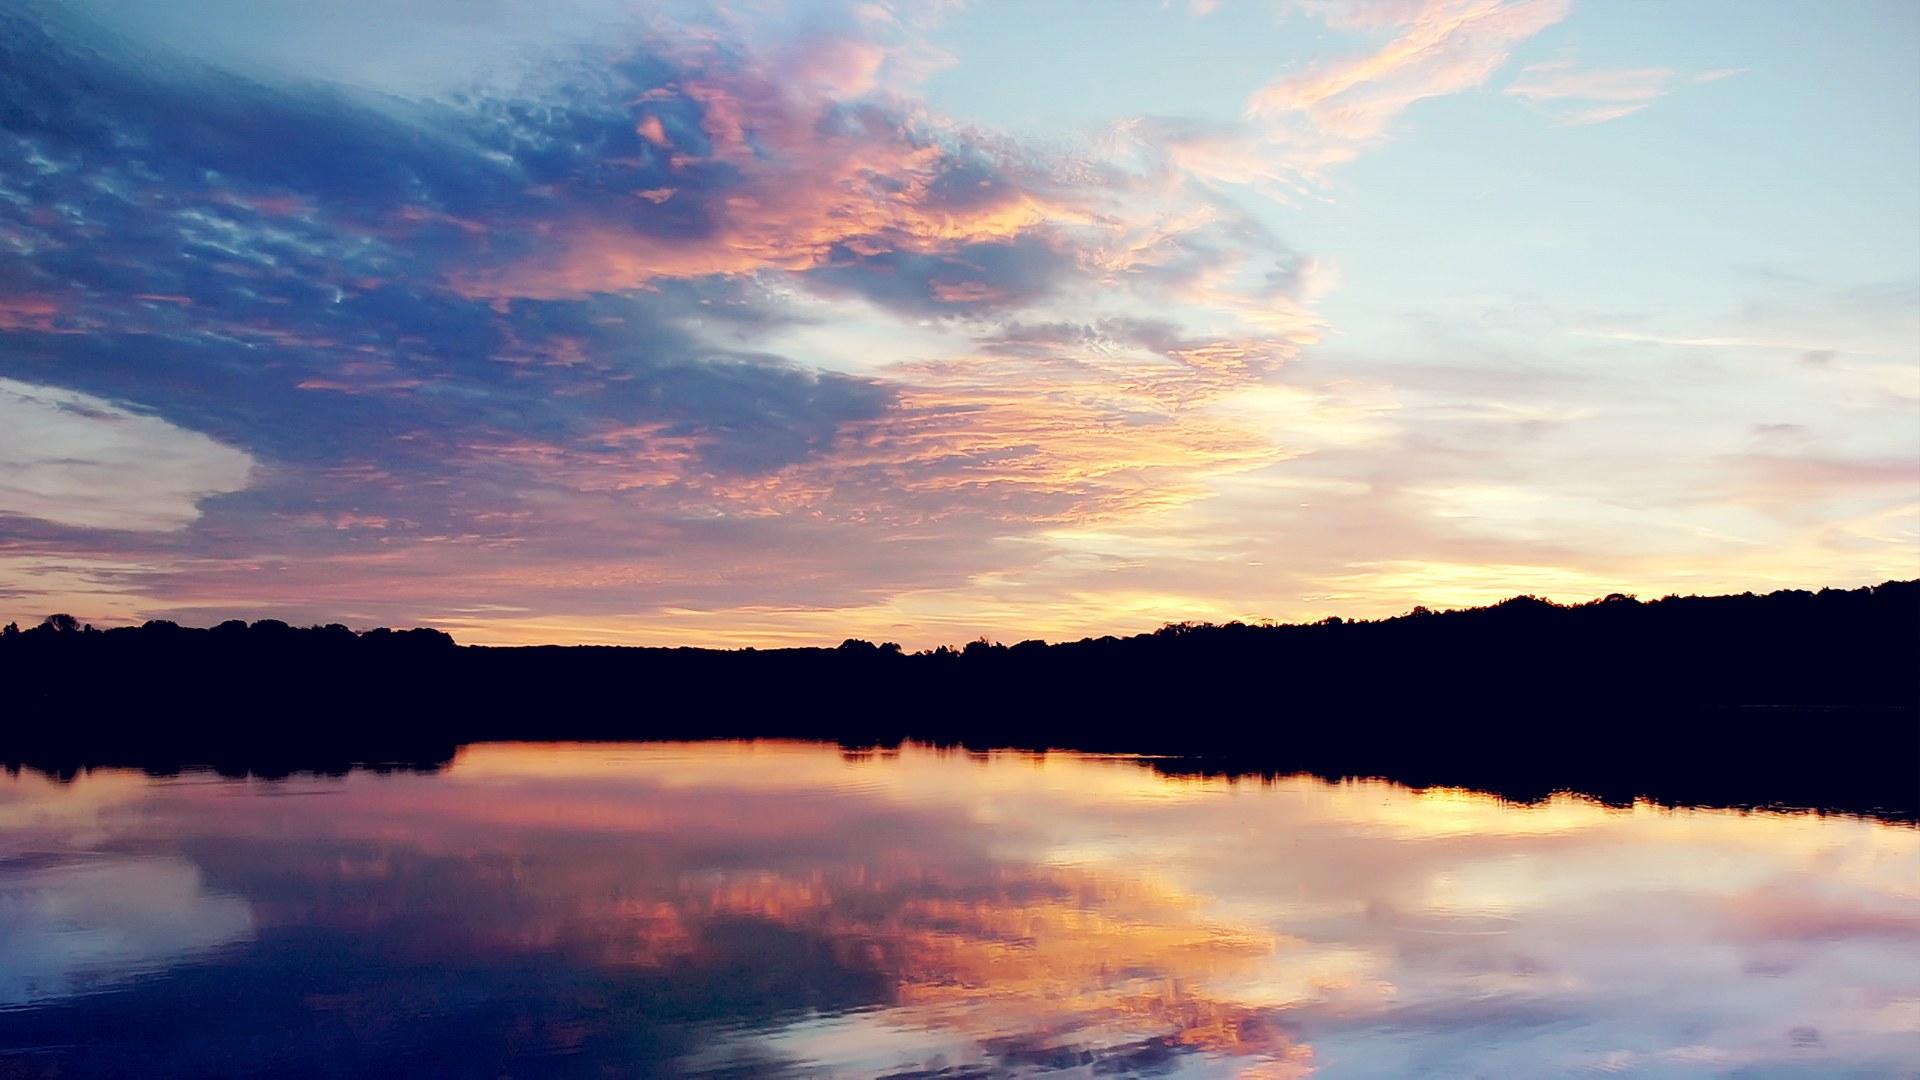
12	626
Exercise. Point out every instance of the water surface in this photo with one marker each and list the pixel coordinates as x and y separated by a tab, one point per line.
758	908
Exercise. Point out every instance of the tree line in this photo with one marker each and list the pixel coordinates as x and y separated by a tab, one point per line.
1805	697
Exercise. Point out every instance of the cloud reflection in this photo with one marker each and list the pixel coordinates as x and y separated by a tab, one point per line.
83	925
786	906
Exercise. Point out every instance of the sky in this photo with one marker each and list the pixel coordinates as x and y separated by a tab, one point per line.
769	322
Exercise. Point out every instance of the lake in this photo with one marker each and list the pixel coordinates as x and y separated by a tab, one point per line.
768	908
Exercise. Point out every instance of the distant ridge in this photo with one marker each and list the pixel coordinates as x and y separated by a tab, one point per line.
1794	697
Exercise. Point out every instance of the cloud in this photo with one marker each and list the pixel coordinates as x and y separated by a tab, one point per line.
969	279
302	292
79	460
1440	47
1299	127
527	322
766	173
1571	95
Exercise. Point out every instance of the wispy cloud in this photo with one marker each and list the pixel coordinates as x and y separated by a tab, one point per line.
1572	95
1298	127
1439	47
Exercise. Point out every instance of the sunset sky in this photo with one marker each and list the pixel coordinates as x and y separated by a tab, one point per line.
745	322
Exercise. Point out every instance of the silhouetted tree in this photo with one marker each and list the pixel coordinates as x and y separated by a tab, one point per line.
978	648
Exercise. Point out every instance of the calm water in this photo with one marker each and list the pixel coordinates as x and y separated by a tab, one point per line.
714	908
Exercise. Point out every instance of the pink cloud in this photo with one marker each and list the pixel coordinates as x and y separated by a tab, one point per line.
28	312
1441	47
810	178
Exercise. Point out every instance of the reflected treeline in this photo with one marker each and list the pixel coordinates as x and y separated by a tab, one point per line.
1793	698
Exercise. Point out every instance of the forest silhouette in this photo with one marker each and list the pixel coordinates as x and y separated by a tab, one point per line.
1794	698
